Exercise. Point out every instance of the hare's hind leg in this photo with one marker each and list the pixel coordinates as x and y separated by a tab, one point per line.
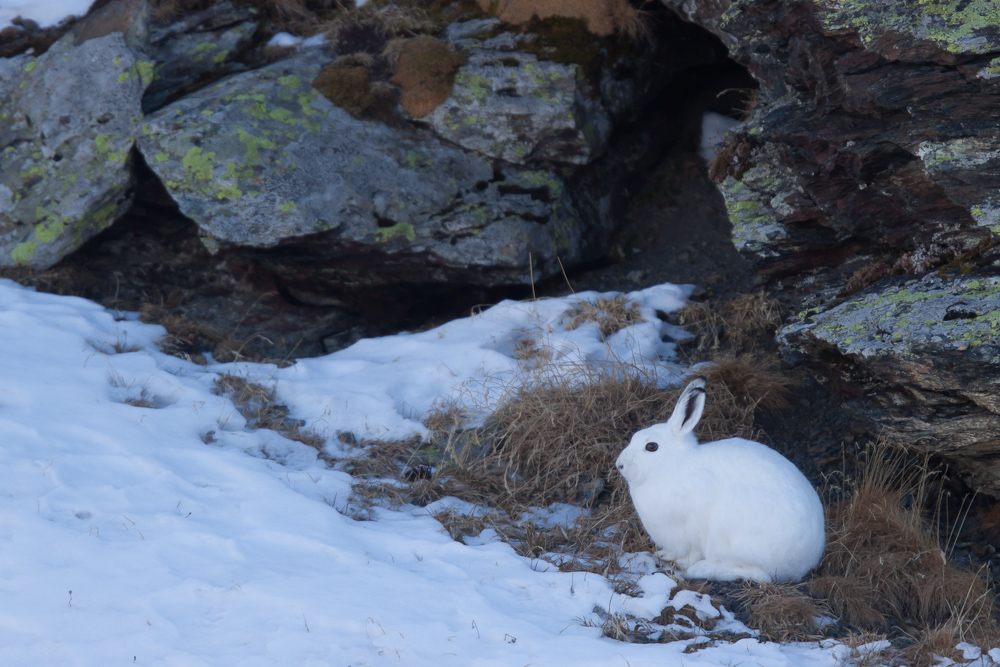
720	571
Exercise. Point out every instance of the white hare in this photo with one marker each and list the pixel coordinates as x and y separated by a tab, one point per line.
731	509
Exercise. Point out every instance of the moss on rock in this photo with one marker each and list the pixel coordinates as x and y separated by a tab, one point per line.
425	74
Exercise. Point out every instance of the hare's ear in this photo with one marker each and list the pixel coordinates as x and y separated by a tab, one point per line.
689	407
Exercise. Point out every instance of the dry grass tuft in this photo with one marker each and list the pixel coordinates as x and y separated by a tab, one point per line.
738	324
885	566
187	338
743	383
612	314
782	612
561	433
259	406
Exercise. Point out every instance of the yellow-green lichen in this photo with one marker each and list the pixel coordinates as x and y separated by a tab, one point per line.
957	26
23	252
198	53
254	144
198	164
399	230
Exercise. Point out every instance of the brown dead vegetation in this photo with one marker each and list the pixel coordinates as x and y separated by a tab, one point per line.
782	612
603	17
739	324
886	569
612	314
351	88
425	74
259	406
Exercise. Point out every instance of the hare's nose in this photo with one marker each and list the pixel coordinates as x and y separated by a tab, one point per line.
620	465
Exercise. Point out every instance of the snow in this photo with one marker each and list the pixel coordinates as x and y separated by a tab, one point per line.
287	39
44	12
128	536
713	128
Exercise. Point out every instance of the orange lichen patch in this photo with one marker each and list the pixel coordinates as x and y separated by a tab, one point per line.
425	74
603	17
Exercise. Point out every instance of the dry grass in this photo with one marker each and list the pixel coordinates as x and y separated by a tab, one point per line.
782	612
612	314
885	566
740	384
737	325
259	406
188	339
561	432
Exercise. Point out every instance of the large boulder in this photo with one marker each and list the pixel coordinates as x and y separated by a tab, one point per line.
195	47
67	125
864	186
509	105
262	161
919	358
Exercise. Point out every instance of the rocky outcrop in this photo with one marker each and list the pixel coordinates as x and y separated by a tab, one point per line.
920	358
864	186
509	105
263	161
496	186
67	124
199	46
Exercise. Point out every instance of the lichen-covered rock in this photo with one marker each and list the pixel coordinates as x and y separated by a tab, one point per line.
921	360
509	105
198	46
869	169
261	160
880	115
67	125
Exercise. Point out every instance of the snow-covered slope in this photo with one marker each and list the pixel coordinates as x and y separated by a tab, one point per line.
126	539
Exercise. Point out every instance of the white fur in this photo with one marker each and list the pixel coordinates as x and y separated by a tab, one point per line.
731	509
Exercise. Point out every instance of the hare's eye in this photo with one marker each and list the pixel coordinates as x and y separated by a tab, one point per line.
651	446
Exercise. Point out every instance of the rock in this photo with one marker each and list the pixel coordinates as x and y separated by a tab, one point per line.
867	175
920	360
262	161
198	47
509	105
872	139
128	17
67	125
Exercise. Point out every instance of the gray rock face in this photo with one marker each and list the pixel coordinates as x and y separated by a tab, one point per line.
864	187
509	105
261	160
921	360
67	125
197	46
